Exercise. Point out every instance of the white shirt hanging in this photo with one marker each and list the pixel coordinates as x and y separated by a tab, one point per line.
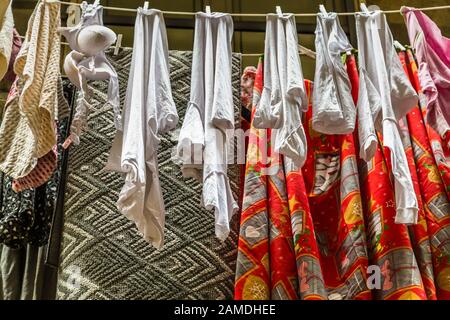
209	122
149	111
284	96
386	95
334	111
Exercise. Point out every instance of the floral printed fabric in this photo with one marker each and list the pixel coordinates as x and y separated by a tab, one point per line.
433	231
313	233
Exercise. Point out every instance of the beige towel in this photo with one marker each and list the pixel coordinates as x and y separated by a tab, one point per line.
27	132
6	36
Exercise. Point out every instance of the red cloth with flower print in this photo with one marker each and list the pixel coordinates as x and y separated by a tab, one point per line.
433	188
389	244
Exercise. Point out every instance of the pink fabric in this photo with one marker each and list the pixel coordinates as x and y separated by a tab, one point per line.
433	55
17	44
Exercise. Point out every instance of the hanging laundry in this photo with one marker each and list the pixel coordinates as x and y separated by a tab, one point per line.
333	189
333	109
25	215
385	96
208	126
433	57
149	111
88	40
27	132
388	243
283	97
433	191
6	36
277	252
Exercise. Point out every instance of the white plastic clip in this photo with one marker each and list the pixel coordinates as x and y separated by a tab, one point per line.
399	46
279	12
118	44
73	15
208	9
323	10
146	5
364	8
96	2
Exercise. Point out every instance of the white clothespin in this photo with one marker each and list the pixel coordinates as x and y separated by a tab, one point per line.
323	10
208	9
73	15
118	44
364	8
399	46
146	5
279	12
96	3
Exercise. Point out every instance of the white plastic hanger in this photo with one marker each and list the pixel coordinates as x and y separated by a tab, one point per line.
208	9
146	5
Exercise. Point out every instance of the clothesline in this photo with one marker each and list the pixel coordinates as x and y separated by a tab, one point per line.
183	13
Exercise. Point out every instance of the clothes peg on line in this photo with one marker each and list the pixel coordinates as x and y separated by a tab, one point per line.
399	46
323	10
96	2
146	5
118	44
208	9
279	12
364	8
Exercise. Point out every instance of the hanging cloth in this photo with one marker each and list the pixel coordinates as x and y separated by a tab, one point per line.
385	96
6	36
27	132
149	111
88	40
283	98
433	57
209	122
334	111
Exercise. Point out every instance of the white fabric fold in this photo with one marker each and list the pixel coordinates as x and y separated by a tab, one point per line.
386	96
284	96
207	128
149	110
334	111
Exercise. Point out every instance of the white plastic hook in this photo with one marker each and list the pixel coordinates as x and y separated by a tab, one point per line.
208	9
146	5
279	12
118	44
323	10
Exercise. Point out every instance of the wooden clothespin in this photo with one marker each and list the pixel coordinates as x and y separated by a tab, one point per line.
208	9
118	44
146	5
306	52
278	11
